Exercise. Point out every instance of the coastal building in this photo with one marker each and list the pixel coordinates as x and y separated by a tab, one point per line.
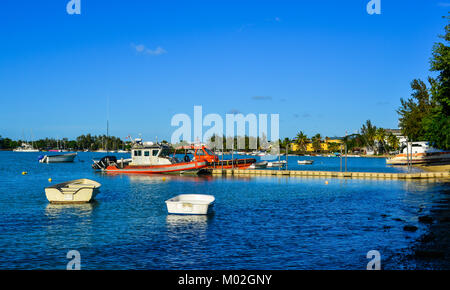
397	133
325	145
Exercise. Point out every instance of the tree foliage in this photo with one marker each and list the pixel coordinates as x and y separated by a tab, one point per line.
425	116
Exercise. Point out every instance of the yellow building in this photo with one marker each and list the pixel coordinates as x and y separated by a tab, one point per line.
324	145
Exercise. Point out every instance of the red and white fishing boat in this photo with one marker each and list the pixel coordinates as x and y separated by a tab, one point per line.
420	153
202	153
149	158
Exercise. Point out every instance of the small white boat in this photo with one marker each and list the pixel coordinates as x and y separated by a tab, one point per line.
280	163
259	165
57	158
305	162
74	191
190	204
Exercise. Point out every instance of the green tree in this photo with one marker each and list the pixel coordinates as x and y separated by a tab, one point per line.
414	110
380	137
301	140
316	142
437	123
393	142
368	133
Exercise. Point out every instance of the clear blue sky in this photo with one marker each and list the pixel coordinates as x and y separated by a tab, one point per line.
324	66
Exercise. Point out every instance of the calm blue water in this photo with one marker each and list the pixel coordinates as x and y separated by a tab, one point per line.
259	223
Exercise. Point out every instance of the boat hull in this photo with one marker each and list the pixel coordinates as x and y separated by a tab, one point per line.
190	204
229	164
420	158
58	158
73	192
181	168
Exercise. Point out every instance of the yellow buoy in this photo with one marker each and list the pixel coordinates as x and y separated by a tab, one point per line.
24	172
164	179
49	180
326	182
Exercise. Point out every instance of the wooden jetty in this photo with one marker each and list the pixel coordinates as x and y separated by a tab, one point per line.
335	174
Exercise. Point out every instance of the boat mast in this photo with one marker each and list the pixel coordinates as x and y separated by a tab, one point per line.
107	124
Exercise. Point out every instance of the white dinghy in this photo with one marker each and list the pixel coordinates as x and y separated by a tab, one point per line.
57	158
190	204
74	191
305	162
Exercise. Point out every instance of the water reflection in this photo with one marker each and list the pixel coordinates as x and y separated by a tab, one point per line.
149	179
80	210
188	223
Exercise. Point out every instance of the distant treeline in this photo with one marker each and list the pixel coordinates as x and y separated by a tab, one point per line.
82	142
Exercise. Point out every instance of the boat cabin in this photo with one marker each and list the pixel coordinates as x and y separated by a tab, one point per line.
150	154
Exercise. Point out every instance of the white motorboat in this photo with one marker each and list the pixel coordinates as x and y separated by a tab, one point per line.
190	204
305	162
280	163
150	158
420	153
25	147
57	158
259	165
74	191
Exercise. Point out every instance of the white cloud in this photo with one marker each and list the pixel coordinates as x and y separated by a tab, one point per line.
142	49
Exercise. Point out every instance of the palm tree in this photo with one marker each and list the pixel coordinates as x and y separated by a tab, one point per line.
380	137
393	141
317	140
368	132
301	140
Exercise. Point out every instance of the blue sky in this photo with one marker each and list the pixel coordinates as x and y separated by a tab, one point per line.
324	66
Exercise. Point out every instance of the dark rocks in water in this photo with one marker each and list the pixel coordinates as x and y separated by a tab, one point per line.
427	254
445	220
410	228
427	238
426	219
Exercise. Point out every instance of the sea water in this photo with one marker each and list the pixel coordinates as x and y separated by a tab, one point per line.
258	222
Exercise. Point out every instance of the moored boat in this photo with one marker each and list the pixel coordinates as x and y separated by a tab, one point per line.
74	191
420	153
25	147
280	163
259	165
149	158
305	162
190	204
202	153
60	158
